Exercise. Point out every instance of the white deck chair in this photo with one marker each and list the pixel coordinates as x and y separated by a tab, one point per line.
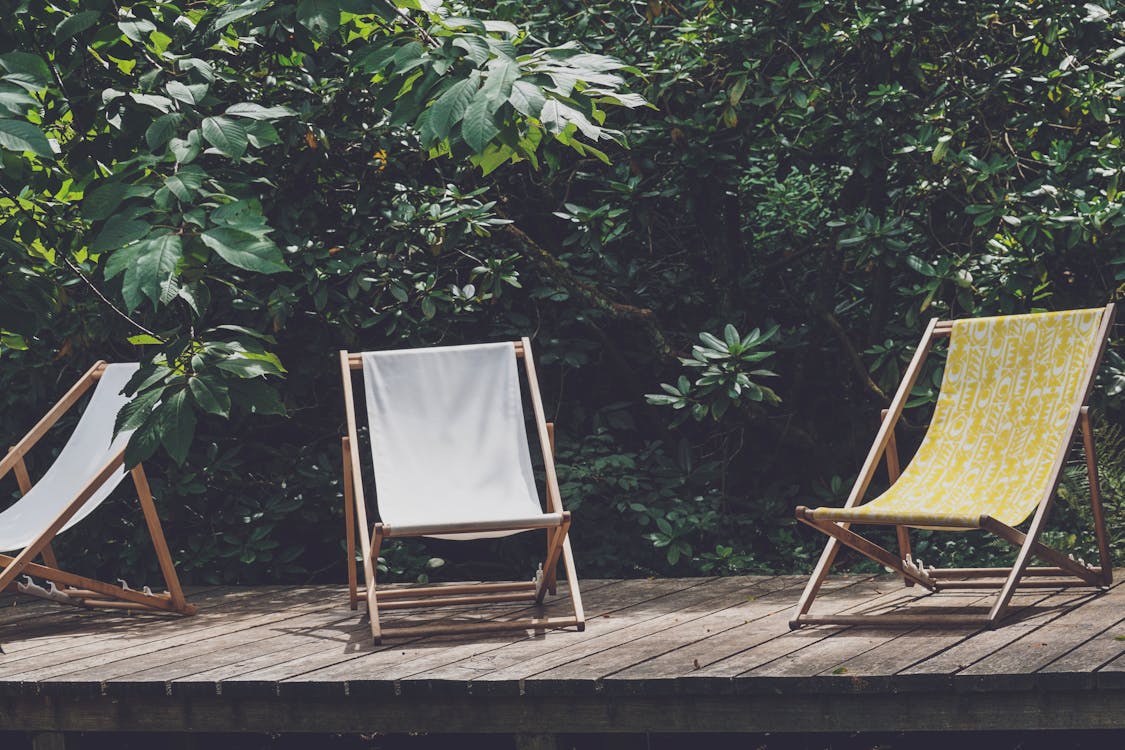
451	461
83	475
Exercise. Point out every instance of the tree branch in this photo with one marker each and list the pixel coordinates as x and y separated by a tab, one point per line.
853	356
566	278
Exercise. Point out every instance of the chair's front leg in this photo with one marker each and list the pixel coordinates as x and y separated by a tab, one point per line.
156	532
372	599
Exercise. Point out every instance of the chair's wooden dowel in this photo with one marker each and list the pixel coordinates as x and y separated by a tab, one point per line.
433	601
895	621
453	590
111	604
61	577
392	532
482	627
83	593
993	572
1024	583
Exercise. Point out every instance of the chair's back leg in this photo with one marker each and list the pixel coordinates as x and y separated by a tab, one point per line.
553	554
48	557
349	523
551	573
1096	496
156	532
893	471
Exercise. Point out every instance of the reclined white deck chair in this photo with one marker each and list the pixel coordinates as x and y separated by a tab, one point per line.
451	460
87	470
1013	391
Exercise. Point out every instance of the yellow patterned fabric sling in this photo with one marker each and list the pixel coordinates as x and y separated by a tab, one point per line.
1008	396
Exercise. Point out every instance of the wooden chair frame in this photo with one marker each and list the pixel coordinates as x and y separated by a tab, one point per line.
72	588
558	540
1061	570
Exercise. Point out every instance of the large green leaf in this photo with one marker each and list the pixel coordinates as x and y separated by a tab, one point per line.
527	98
143	442
137	410
162	129
187	148
15	100
102	201
192	94
450	106
22	136
478	127
321	17
227	136
185	183
258	112
176	425
148	266
26	70
211	394
236	12
244	250
76	24
118	232
248	368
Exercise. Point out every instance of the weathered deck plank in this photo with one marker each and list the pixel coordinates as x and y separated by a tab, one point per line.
682	655
604	615
720	644
1061	635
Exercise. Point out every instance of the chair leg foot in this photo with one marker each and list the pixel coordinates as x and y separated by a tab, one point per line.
795	625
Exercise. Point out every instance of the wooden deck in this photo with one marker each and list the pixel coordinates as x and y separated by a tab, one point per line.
671	655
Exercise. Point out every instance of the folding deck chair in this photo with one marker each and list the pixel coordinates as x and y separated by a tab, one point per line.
1013	391
87	470
451	459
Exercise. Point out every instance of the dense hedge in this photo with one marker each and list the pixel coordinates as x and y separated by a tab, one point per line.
811	183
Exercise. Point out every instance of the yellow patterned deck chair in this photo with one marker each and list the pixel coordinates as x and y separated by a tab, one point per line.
1014	389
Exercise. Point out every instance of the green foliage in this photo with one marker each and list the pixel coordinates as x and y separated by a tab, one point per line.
251	186
725	379
173	125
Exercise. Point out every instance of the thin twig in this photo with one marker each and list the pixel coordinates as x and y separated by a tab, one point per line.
74	267
405	14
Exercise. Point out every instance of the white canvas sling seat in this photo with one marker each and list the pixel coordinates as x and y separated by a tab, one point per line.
448	441
451	459
90	446
86	471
